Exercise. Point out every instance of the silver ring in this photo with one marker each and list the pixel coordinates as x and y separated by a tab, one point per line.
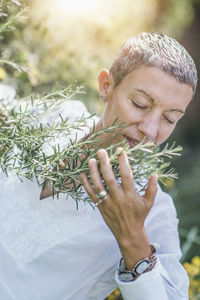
98	202
102	195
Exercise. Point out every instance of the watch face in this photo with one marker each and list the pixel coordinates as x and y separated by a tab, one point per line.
126	276
142	266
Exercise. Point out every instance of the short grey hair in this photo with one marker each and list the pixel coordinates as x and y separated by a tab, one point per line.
156	50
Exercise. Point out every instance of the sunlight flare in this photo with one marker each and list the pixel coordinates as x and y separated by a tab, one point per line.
77	6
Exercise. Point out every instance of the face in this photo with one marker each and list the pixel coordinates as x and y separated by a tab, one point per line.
148	100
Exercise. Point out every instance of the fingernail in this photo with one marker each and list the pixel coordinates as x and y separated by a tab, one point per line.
119	150
101	153
92	160
155	178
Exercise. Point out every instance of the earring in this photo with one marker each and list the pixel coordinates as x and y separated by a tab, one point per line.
102	97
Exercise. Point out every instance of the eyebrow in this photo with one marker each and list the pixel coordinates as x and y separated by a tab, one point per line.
153	101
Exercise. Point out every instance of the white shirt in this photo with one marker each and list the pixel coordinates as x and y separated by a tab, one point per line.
49	250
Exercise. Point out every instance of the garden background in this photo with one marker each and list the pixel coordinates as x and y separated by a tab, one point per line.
61	42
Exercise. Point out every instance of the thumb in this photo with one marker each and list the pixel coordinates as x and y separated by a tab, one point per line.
151	191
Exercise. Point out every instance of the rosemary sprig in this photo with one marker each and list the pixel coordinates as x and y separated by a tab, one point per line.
24	141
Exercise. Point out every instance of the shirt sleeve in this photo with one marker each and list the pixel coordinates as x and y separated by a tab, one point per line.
168	280
147	286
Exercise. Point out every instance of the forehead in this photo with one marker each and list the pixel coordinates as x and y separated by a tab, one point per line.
161	86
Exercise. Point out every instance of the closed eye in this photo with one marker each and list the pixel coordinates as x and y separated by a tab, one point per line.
139	105
169	120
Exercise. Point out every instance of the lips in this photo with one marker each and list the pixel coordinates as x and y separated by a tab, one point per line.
132	142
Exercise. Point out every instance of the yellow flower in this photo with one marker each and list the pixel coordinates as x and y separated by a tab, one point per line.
196	261
33	74
114	294
193	270
111	297
2	73
117	292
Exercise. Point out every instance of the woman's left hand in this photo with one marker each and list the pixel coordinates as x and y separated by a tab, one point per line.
123	210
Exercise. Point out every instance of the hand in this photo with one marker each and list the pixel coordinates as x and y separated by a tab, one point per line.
48	189
124	210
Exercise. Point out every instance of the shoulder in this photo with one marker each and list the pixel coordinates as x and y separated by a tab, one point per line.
71	108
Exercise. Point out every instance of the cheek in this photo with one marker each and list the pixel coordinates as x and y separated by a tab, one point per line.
164	134
117	109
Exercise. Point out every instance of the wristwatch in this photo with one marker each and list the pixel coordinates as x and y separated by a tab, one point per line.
143	266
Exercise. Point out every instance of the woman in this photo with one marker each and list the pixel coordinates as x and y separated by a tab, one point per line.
149	86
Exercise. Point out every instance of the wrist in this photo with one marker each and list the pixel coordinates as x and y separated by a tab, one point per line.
134	249
143	266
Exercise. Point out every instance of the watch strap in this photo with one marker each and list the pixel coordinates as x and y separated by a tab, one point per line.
127	275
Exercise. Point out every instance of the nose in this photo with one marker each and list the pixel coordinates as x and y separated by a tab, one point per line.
149	125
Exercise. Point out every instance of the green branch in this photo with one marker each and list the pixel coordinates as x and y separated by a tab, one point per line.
24	141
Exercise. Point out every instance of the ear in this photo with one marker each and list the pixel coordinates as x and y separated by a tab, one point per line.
105	84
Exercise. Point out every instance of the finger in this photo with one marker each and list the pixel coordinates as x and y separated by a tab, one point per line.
95	176
151	191
126	174
88	188
107	171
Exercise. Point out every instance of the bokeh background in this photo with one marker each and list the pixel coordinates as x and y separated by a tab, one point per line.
63	42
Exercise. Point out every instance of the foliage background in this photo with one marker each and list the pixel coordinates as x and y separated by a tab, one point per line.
61	45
